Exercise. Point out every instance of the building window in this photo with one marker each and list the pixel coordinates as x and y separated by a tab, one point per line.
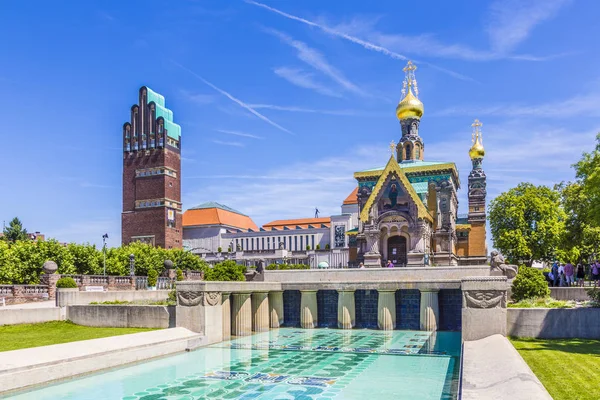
312	238
301	247
340	236
262	243
295	243
289	242
247	247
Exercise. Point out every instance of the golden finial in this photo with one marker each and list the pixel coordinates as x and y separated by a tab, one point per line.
477	150
410	106
392	147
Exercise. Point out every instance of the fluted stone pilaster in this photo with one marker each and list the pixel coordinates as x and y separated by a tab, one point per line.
226	310
386	310
241	320
308	309
276	308
429	310
260	311
346	309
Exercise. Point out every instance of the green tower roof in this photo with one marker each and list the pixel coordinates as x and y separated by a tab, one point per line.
173	129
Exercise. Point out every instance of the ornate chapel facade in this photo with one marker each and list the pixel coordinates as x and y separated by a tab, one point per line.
408	210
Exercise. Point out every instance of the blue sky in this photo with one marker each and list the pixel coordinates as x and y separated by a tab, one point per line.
281	101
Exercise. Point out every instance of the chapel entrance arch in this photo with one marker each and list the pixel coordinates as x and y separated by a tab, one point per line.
396	250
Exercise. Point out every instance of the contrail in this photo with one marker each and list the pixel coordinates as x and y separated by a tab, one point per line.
354	39
234	99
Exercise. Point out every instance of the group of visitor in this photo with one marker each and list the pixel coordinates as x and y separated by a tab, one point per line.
389	264
565	275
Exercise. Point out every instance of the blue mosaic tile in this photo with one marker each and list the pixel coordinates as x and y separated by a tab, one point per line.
327	305
450	303
366	308
408	309
291	308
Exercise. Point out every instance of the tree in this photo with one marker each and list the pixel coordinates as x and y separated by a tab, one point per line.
226	271
87	260
527	223
587	172
15	231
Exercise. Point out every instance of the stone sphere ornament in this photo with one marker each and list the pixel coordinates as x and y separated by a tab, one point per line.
50	267
168	264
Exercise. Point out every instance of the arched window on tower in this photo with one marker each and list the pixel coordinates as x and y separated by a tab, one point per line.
408	152
417	152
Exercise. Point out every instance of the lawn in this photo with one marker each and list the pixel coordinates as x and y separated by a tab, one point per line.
568	368
14	337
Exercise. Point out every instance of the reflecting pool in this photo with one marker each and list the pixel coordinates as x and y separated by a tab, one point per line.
287	363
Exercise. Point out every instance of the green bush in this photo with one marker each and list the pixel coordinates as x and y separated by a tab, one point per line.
226	271
219	249
308	247
327	247
318	247
152	277
66	283
594	294
179	274
172	298
529	284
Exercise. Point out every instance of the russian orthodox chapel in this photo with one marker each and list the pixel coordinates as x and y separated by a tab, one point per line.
408	210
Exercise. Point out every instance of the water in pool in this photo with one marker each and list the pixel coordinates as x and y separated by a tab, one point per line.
287	363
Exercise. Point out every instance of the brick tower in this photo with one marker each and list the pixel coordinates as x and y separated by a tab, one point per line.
477	193
151	174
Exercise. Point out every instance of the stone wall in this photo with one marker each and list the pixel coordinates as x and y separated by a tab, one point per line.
376	274
558	323
125	316
75	297
569	293
30	315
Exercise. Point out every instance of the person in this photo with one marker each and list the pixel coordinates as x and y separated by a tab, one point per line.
561	275
569	274
554	272
260	267
389	264
580	274
595	272
361	265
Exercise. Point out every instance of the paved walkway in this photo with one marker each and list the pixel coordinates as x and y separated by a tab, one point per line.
37	304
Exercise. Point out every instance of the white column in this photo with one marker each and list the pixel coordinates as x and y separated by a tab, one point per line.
226	309
260	311
386	310
241	321
429	310
346	309
276	308
308	309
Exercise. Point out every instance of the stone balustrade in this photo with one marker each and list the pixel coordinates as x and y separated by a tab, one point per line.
17	294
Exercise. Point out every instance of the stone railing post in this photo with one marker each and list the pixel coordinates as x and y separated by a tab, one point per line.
226	305
386	310
241	321
483	307
276	308
260	311
112	284
308	309
429	310
50	280
200	310
346	309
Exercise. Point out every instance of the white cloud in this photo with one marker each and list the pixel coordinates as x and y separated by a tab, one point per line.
316	60
580	105
511	21
233	144
304	79
238	133
235	100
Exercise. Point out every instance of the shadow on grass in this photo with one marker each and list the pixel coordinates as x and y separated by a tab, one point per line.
576	346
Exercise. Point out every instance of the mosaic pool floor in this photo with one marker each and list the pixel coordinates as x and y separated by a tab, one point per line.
287	363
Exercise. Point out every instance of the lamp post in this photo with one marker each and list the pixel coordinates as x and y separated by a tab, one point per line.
104	237
131	265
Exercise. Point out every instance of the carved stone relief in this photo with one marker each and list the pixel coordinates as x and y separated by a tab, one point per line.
189	298
484	299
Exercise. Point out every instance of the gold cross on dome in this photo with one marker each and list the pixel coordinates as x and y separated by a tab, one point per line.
409	67
392	147
476	124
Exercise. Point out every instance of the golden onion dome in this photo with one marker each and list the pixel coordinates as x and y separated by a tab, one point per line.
477	150
409	106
